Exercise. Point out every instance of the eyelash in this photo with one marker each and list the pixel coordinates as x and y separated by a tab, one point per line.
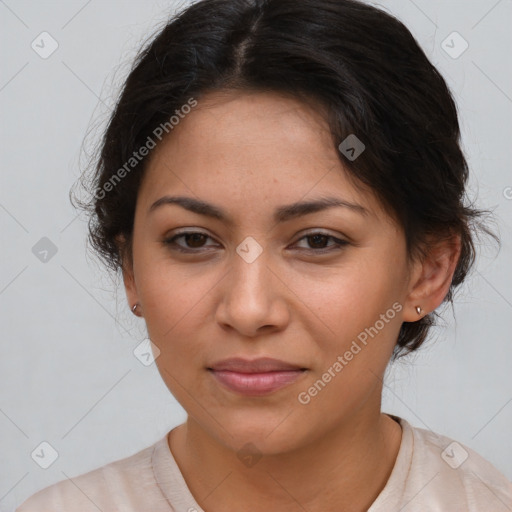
171	242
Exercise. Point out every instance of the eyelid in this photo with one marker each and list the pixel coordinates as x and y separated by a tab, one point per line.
338	243
169	239
317	231
170	243
310	232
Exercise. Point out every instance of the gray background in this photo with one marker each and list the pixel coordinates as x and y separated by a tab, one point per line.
69	376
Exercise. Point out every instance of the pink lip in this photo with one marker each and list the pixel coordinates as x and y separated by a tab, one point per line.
256	384
255	377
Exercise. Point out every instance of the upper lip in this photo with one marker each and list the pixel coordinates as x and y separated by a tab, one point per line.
260	365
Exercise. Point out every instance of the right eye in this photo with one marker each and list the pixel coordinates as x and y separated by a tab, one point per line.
192	239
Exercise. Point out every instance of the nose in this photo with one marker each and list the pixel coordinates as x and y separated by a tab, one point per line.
253	298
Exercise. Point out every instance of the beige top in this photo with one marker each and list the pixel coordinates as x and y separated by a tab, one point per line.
431	474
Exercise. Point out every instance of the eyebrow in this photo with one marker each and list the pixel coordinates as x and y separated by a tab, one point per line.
281	214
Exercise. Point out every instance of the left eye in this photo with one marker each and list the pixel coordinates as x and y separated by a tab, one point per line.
195	240
318	242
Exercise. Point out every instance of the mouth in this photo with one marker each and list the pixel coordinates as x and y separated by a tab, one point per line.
258	377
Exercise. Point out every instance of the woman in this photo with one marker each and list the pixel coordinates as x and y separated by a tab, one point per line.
282	186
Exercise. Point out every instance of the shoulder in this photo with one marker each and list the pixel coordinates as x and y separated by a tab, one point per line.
105	488
451	474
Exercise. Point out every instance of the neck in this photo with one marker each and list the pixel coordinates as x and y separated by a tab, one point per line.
350	465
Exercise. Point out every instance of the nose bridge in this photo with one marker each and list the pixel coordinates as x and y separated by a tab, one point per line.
250	275
250	294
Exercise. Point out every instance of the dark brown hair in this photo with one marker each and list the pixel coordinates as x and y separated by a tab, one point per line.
357	61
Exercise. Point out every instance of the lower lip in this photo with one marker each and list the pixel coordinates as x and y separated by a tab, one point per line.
256	384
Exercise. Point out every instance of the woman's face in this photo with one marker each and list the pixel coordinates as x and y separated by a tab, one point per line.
324	289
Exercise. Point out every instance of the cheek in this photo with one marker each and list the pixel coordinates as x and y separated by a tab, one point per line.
360	305
174	304
169	292
175	318
364	321
168	288
350	298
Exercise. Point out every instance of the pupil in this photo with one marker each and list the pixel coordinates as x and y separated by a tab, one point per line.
196	237
318	239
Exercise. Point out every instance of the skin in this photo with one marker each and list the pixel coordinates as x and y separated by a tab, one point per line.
249	153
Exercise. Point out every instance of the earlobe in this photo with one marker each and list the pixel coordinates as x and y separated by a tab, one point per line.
128	277
136	309
131	291
432	278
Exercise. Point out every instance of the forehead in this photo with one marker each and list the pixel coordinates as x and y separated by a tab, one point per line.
254	147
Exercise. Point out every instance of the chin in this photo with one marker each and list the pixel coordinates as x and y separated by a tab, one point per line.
270	434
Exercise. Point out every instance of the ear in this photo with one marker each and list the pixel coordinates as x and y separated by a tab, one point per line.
127	270
431	277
